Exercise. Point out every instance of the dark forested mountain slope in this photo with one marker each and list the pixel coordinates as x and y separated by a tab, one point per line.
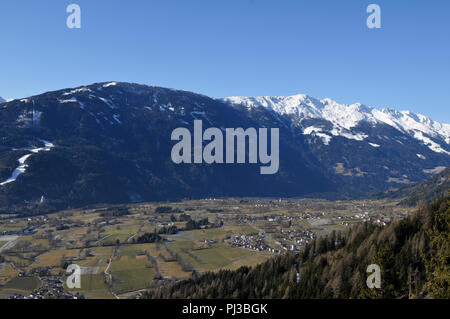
422	192
111	143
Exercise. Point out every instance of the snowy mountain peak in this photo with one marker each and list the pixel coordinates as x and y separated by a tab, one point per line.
2	100
345	118
325	147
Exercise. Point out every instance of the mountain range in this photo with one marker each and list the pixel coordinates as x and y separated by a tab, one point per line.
345	119
111	143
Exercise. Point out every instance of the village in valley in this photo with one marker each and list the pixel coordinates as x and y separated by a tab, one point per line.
124	250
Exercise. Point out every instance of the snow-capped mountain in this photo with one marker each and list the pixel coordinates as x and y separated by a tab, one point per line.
346	118
2	100
111	143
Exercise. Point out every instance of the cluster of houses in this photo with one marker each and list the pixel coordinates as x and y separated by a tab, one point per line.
51	287
256	243
366	217
288	219
289	240
45	295
33	225
298	237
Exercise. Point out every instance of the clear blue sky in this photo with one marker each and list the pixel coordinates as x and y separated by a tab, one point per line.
235	47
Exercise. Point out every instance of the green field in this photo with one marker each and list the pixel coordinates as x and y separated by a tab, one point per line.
220	256
122	235
93	286
131	270
23	283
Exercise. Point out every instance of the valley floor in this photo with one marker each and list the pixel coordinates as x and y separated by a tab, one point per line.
116	262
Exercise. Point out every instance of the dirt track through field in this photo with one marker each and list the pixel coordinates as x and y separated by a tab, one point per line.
110	276
11	242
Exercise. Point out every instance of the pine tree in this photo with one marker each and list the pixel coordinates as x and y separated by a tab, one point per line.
437	265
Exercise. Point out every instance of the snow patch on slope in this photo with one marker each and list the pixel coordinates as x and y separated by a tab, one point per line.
107	102
72	100
116	118
75	91
110	84
23	166
428	142
421	156
317	131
